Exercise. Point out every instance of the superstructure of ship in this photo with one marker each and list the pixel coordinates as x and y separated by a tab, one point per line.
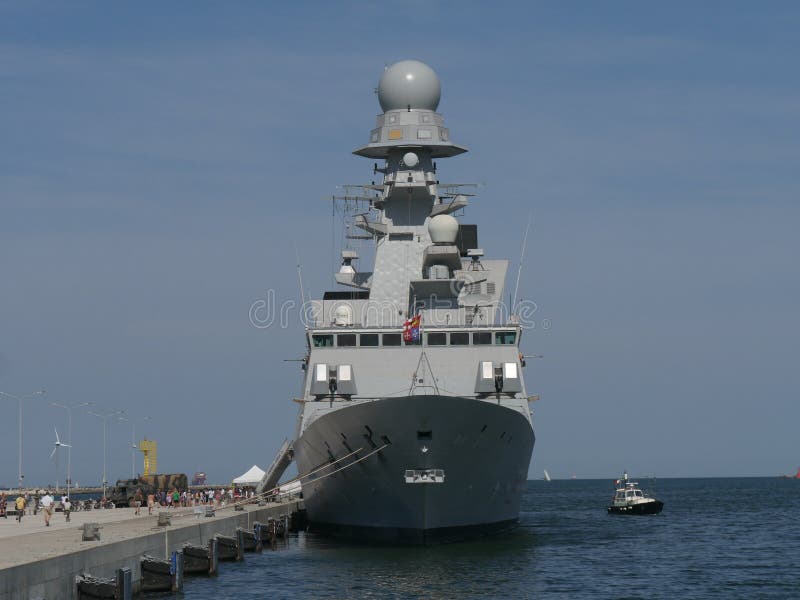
414	422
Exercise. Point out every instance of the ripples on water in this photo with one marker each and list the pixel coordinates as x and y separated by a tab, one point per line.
717	538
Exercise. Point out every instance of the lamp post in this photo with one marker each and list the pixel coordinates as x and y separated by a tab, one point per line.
20	399
105	419
134	447
69	438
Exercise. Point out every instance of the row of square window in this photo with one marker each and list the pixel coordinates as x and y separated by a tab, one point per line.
437	338
423	133
421	117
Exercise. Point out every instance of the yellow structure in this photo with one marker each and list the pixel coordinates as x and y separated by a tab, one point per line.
150	450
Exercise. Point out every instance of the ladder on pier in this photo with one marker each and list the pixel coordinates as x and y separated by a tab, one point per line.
279	465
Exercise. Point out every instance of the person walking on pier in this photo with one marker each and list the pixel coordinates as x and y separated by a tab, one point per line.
137	502
3	504
20	506
67	507
47	505
151	502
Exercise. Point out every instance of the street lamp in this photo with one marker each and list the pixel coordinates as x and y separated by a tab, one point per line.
20	399
69	438
134	447
105	419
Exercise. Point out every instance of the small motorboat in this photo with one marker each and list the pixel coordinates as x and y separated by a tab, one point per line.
630	500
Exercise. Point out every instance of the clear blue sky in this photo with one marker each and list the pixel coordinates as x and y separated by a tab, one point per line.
159	163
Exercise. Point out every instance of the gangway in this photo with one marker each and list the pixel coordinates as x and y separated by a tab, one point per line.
280	463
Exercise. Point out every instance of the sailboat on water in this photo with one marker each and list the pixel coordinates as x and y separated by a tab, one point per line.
546	475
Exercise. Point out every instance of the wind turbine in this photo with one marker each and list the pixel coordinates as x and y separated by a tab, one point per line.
56	445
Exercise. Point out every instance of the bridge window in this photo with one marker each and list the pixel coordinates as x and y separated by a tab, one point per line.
505	337
346	339
392	339
322	341
482	338
459	338
437	339
368	339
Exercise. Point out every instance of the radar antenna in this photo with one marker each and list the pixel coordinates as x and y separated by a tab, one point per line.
300	276
521	259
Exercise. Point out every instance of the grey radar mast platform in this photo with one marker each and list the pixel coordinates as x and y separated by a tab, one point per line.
409	92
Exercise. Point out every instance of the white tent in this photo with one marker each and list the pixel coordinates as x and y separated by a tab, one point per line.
252	477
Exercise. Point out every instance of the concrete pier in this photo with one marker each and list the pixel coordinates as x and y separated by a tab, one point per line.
42	562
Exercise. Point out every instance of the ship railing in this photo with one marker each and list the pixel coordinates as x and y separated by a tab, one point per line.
434	336
318	327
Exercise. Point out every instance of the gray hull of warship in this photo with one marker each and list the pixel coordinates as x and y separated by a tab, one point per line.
483	451
414	422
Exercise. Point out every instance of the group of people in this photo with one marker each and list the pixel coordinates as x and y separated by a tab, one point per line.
218	497
181	499
46	503
160	498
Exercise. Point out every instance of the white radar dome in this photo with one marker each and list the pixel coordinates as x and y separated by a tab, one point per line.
443	229
409	83
410	160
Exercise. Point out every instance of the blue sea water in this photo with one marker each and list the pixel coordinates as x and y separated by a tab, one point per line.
717	538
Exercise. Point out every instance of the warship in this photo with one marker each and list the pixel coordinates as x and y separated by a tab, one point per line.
414	424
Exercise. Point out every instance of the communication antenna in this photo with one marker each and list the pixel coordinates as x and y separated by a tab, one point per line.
521	259
300	276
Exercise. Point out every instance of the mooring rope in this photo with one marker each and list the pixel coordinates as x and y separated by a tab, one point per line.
190	510
366	456
299	477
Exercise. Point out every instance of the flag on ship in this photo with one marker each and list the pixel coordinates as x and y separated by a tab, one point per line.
411	329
